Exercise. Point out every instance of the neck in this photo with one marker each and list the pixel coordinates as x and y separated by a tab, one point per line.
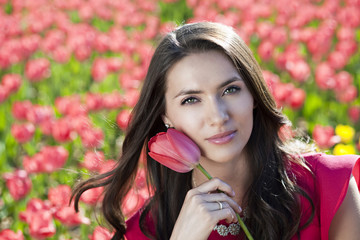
235	173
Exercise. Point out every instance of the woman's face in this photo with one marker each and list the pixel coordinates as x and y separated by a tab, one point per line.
207	99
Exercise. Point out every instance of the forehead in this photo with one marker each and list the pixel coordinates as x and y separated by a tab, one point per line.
200	70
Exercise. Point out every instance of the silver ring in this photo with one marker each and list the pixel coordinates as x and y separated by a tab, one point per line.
220	205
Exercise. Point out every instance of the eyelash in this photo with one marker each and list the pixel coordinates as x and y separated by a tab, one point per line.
234	89
192	100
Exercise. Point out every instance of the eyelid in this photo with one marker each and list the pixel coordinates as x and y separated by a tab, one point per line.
183	101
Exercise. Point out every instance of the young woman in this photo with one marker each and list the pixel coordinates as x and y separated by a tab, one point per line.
204	81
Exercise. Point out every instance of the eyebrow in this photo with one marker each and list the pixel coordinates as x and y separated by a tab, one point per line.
189	92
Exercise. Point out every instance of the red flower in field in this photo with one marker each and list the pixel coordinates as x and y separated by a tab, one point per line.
100	233
107	166
69	217
4	93
94	101
324	76
37	69
60	195
62	130
114	64
8	234
93	160
324	136
113	100
99	69
38	215
38	114
296	98
265	50
11	82
337	60
61	54
343	80
92	137
48	160
18	183
70	105
299	70
123	119
128	81
92	196
131	97
23	132
347	94
354	113
281	92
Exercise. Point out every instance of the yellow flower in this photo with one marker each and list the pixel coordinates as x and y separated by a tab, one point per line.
345	132
343	149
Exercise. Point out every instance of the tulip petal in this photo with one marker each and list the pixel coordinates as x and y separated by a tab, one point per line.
184	146
170	163
160	144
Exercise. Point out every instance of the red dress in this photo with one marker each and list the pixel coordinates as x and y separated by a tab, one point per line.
327	190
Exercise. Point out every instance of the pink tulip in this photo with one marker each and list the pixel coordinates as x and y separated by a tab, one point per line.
23	132
174	150
354	113
8	234
18	183
123	119
100	233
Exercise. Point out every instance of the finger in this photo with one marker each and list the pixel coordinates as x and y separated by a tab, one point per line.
216	184
222	197
226	214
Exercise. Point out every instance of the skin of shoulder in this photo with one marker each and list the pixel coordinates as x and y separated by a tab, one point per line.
346	222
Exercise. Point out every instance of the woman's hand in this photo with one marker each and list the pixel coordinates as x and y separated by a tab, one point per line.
201	210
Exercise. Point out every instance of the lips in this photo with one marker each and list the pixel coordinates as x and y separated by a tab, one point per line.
222	138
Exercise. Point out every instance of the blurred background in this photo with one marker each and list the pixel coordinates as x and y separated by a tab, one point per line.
71	71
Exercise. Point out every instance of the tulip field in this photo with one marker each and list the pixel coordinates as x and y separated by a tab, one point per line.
71	71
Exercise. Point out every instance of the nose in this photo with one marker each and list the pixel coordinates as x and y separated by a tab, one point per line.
217	113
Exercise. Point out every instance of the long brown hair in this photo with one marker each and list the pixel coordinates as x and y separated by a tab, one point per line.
273	198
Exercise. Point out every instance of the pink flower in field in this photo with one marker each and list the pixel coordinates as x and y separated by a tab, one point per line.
113	100
354	113
347	94
337	60
69	217
348	16
20	109
133	201
52	40
11	82
37	69
343	79
123	119
62	130
324	76
86	12
128	81
38	215
102	42
296	98
281	92
324	136
92	137
271	79
70	105
266	50
4	93
18	183
114	64
348	47
38	114
99	69
100	233
61	54
92	196
94	101
345	34
93	160
131	97
107	166
278	35
48	160
23	132
7	234
82	53
299	70
60	195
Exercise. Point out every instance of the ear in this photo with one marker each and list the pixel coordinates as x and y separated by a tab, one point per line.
166	120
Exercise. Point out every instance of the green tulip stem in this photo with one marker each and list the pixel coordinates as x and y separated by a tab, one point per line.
241	222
